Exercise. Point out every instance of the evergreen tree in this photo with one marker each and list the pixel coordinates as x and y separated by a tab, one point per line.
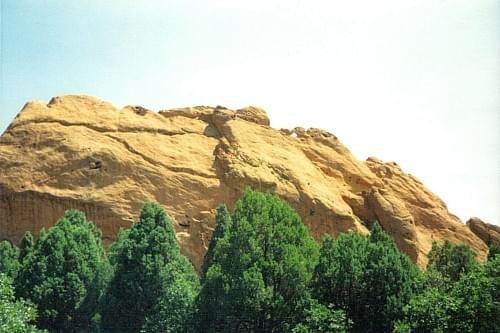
451	260
65	273
339	275
26	245
260	269
367	277
391	279
174	310
9	258
148	272
15	316
222	223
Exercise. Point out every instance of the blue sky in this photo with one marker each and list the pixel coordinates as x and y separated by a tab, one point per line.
416	82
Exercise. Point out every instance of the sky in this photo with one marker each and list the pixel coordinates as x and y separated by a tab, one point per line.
415	82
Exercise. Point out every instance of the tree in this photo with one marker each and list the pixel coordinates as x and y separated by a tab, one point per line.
367	277
339	274
260	269
148	270
451	260
391	279
65	273
26	245
173	313
15	316
222	224
9	258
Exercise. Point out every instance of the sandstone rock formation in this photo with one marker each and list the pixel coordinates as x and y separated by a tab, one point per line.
81	152
489	233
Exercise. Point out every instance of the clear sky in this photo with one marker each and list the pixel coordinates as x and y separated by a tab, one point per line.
416	82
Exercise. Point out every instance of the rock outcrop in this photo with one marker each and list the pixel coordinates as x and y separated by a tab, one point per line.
489	233
81	152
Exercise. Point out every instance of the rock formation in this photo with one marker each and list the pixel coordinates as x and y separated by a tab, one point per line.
489	233
81	152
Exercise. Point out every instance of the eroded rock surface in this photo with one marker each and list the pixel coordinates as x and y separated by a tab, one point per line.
81	152
489	233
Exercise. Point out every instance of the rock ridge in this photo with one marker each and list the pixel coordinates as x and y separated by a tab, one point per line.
80	152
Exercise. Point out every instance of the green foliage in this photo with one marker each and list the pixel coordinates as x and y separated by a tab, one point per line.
15	316
26	245
478	303
470	304
367	277
148	272
9	258
323	319
428	312
339	274
260	269
173	313
223	223
64	273
494	250
262	273
451	260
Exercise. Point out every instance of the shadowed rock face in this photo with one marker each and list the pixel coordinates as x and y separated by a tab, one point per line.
80	152
489	233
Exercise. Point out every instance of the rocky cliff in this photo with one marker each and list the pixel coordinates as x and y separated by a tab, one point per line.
489	233
81	152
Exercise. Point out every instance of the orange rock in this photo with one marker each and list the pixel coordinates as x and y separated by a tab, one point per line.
81	152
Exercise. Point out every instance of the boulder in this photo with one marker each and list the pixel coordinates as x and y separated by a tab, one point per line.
254	115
